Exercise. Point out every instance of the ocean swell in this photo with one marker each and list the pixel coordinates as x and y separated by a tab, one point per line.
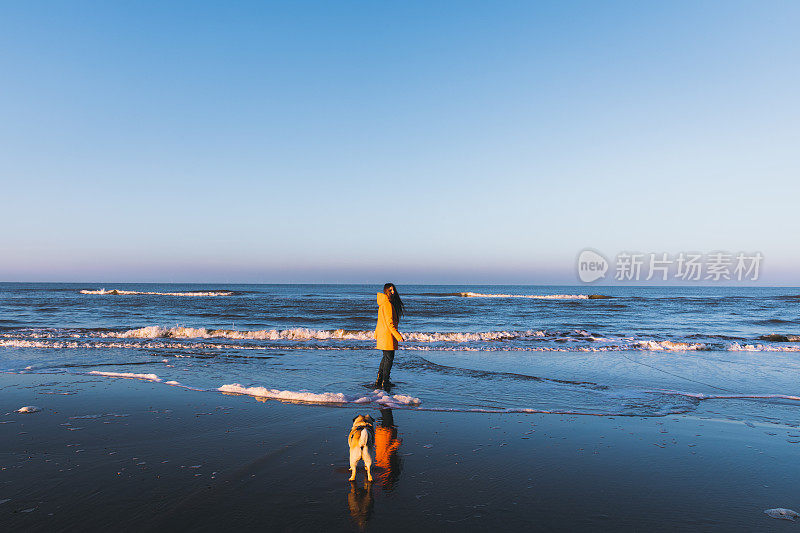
185	338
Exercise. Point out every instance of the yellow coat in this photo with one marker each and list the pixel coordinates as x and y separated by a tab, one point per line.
386	333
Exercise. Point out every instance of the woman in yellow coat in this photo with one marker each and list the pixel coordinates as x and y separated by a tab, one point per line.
390	309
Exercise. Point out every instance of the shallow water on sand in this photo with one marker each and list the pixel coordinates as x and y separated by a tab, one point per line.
639	352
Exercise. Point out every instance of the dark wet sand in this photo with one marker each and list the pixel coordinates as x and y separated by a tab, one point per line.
179	459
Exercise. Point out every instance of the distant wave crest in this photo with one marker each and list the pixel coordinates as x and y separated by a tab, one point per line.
120	292
529	296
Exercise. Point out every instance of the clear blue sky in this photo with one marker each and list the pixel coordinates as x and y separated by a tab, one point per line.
417	141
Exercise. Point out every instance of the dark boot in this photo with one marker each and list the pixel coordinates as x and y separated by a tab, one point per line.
385	369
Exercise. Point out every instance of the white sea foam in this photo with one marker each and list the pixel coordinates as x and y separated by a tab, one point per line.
671	345
146	377
782	514
120	292
22	343
302	396
293	396
736	347
396	400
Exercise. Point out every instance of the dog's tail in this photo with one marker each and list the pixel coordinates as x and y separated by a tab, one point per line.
364	438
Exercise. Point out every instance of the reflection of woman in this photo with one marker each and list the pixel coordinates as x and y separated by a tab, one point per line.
386	445
390	309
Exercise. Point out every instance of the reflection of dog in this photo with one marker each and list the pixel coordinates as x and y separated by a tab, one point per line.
361	439
360	503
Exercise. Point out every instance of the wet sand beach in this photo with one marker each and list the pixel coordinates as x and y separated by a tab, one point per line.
132	455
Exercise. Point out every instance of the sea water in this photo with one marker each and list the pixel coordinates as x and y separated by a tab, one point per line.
728	352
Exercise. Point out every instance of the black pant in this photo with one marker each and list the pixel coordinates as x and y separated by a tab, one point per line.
385	369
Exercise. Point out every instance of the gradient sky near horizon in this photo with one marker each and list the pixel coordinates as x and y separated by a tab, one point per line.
415	141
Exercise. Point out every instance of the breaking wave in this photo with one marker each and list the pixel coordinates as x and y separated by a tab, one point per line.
120	292
672	346
303	334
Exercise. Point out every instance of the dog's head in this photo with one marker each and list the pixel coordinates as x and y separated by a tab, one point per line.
363	420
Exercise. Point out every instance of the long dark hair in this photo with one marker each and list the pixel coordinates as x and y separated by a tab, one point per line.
394	299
